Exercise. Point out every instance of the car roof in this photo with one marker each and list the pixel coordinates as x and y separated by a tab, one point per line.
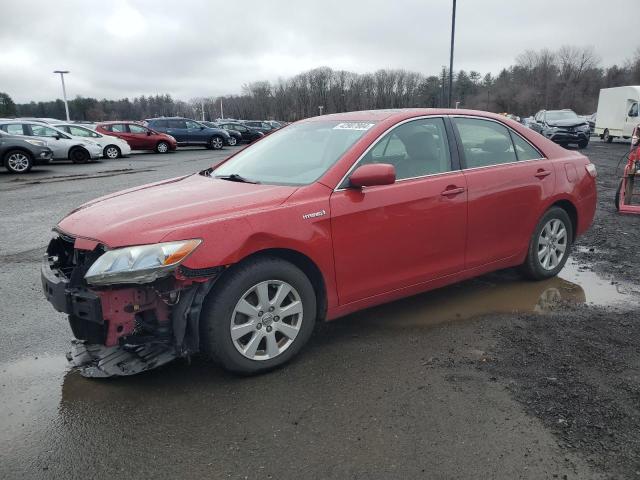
399	114
113	122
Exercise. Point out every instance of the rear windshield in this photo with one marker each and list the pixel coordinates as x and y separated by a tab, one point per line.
295	155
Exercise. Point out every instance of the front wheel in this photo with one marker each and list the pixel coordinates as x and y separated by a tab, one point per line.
606	136
216	143
162	147
549	246
259	317
17	161
112	152
583	143
79	155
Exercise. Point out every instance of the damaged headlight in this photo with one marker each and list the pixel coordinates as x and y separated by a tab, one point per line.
139	264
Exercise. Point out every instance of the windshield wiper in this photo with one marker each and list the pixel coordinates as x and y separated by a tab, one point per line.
235	177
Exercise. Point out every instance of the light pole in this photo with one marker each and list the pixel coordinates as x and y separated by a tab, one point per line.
453	33
320	108
64	91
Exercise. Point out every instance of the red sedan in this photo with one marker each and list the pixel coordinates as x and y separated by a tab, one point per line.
322	218
138	136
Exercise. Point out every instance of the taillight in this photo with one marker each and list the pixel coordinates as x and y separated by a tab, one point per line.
591	169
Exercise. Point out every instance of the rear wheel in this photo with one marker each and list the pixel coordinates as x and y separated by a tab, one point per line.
18	161
216	142
162	147
112	152
79	155
618	194
232	141
549	246
259	317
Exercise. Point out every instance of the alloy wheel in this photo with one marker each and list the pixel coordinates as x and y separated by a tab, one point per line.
216	143
552	244
266	320
232	141
111	152
18	162
163	147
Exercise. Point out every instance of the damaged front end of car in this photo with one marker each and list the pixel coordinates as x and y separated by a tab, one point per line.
130	309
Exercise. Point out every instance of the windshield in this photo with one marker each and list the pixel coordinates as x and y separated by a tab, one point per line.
561	115
296	155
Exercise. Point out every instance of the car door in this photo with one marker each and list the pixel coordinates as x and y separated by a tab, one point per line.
507	179
196	133
631	120
393	236
58	142
177	128
121	131
141	136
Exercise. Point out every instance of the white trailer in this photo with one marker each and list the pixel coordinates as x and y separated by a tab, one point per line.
617	113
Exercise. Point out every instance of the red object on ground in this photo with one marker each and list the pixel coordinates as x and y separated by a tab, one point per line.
630	178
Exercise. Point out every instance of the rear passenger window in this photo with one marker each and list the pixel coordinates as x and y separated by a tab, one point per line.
13	129
484	142
415	149
119	128
524	150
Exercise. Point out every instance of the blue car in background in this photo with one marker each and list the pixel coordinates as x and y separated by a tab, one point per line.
190	132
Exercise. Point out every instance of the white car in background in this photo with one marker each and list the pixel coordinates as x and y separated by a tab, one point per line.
112	147
63	145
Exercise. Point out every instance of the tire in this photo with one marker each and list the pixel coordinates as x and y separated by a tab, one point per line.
606	137
18	161
111	152
232	141
617	199
536	265
79	155
263	329
583	143
216	142
162	147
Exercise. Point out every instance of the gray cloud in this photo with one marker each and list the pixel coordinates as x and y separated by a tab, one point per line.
200	48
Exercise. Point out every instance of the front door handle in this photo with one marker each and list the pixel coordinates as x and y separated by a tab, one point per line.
452	190
541	173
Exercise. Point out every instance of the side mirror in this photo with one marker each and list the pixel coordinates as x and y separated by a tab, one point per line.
201	127
373	174
57	136
148	133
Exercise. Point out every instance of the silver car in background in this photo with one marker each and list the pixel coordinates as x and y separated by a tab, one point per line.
112	147
63	145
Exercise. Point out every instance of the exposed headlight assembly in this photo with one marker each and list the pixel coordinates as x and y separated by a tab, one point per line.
139	264
38	143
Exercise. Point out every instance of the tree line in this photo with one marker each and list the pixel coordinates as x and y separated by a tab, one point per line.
569	77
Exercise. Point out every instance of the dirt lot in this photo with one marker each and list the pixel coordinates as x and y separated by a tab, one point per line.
493	378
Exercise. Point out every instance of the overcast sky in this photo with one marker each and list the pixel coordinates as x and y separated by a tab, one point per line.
188	48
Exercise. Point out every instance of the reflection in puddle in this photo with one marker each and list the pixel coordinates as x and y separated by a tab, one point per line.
502	292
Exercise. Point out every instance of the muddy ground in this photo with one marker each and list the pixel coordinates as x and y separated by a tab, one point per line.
496	377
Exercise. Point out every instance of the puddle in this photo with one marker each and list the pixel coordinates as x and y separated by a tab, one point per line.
504	292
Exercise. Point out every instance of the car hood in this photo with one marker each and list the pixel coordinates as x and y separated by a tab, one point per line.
567	123
149	213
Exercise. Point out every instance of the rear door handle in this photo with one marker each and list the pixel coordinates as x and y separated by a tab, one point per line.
449	192
543	173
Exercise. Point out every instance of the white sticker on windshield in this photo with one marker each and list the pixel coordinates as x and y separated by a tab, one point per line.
354	126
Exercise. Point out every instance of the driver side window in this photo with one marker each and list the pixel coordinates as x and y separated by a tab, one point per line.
633	111
42	131
415	149
137	129
191	124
